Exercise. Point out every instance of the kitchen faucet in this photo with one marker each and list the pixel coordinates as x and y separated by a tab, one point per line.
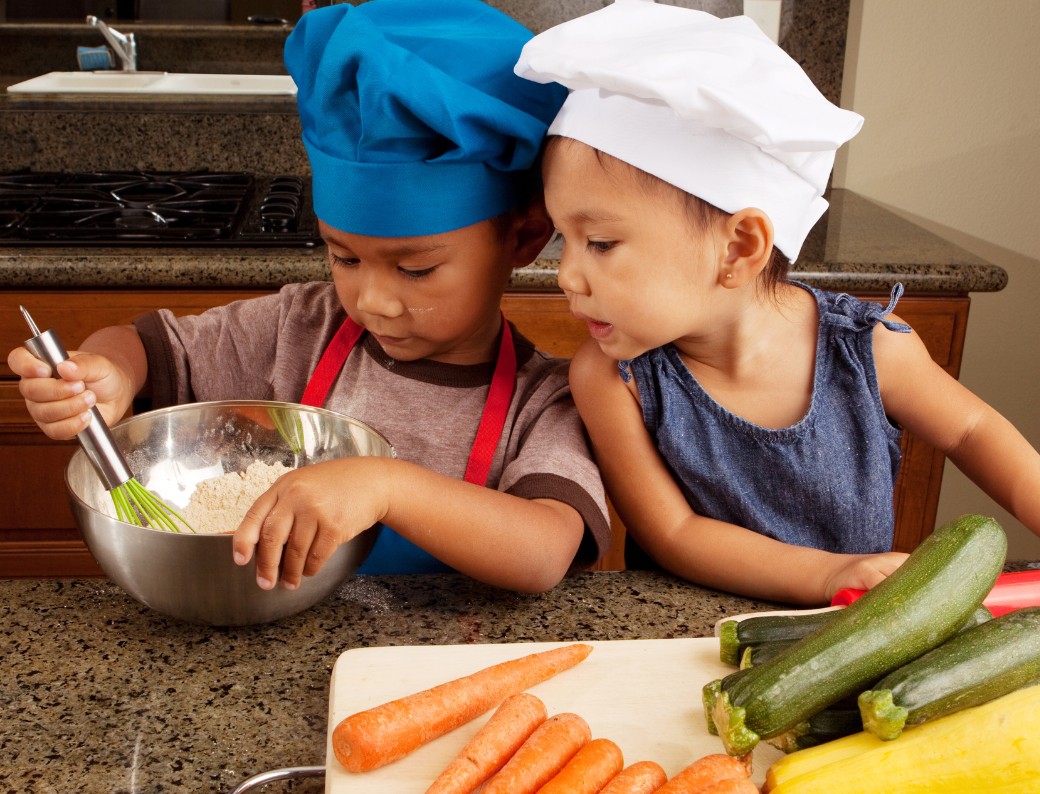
124	44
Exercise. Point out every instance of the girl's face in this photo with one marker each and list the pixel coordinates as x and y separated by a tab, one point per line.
435	296
634	266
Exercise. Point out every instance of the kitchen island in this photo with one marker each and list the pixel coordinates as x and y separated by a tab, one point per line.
101	695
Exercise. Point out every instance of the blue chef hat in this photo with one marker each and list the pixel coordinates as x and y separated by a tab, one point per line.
412	117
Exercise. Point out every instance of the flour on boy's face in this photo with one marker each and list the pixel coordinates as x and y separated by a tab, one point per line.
615	232
434	296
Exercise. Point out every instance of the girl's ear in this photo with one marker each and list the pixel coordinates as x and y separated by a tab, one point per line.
533	230
748	246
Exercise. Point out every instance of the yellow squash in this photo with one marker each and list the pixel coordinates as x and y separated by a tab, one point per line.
990	748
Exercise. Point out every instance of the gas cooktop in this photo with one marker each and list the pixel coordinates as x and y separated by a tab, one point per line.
155	208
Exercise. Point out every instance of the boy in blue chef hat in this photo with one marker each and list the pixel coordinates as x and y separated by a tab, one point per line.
422	144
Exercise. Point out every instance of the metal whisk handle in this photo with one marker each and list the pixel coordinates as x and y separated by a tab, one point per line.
96	440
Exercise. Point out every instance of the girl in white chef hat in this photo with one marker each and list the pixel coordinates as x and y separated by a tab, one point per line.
747	426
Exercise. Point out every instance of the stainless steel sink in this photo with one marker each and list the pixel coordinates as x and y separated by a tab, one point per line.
116	82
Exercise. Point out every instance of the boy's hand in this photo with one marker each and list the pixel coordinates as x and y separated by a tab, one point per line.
308	513
862	571
58	402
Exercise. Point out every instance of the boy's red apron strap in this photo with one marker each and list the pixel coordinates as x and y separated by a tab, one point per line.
496	408
331	362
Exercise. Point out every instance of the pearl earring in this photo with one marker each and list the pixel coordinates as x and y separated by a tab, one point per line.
729	275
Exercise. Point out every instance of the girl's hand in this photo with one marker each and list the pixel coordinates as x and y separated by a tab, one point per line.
58	401
307	514
861	571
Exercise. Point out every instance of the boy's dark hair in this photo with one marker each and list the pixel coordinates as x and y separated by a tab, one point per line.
528	187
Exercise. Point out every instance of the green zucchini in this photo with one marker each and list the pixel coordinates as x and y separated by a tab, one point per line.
920	605
824	726
736	635
757	654
968	670
709	694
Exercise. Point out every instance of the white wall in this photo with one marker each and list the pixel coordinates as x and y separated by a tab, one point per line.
950	90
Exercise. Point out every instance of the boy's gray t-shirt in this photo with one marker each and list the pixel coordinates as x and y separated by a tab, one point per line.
267	348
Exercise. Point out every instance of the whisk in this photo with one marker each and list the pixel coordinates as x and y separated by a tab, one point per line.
134	503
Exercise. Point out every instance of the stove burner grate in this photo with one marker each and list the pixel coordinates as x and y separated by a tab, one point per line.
155	208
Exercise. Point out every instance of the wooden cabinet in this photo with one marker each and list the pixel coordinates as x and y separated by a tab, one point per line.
38	536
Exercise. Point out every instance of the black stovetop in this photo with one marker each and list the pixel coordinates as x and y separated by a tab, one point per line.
152	208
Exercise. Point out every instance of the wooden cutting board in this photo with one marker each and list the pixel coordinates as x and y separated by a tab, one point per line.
643	694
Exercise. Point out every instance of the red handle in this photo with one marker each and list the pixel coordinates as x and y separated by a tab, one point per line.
1012	591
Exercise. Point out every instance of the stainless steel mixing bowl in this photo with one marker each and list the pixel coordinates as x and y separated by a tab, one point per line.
193	577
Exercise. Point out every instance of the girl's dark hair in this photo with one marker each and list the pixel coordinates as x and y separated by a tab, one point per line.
704	215
700	213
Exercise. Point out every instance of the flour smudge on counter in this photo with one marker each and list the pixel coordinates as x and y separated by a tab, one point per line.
218	505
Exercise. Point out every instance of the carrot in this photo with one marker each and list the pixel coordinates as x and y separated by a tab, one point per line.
375	737
734	785
545	753
704	772
492	745
588	771
642	777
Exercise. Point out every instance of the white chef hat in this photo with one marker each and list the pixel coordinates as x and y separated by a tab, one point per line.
709	105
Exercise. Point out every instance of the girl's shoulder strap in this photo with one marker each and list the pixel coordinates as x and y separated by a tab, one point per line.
845	311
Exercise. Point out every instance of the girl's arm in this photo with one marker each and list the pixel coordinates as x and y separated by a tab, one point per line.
656	513
518	544
923	398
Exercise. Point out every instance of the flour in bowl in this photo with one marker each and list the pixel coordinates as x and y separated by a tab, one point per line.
219	504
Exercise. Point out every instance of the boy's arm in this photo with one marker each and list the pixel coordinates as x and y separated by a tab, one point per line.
108	370
656	513
527	545
495	537
924	399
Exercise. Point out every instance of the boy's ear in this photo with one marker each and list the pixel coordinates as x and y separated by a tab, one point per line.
748	246
533	231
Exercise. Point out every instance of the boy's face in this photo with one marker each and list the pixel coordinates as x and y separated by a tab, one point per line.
436	296
633	265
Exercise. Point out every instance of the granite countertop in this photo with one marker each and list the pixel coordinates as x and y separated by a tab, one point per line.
858	246
101	695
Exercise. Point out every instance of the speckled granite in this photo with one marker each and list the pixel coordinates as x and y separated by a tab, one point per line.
857	247
813	32
260	137
100	695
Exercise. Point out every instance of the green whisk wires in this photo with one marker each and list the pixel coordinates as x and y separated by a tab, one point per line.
134	503
290	427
